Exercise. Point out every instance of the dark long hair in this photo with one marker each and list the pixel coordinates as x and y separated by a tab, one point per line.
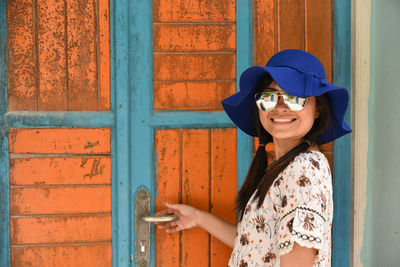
260	176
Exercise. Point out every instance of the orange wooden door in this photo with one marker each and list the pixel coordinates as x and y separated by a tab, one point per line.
194	69
57	155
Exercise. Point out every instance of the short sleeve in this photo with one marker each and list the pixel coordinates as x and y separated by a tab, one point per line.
305	191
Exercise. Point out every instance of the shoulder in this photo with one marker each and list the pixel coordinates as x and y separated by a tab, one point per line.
316	158
308	168
310	161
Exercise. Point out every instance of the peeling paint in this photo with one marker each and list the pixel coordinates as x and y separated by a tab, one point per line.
84	161
95	169
90	144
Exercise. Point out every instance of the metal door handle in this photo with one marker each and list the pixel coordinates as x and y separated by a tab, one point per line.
165	218
142	226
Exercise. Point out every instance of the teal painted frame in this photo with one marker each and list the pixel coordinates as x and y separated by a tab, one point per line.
244	59
341	147
59	119
141	86
190	119
120	156
5	248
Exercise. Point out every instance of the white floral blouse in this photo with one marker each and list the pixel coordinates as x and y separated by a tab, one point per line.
297	208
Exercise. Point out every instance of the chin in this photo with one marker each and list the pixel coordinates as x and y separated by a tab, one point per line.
287	135
287	132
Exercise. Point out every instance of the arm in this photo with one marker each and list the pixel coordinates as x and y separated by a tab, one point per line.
221	229
299	257
190	217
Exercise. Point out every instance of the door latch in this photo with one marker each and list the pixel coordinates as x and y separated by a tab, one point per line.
142	226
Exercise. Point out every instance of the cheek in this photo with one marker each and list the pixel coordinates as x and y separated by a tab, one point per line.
264	120
307	124
308	116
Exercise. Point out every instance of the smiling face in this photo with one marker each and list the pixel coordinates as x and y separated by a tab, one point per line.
284	124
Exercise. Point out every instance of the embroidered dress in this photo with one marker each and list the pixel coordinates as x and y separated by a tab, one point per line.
297	208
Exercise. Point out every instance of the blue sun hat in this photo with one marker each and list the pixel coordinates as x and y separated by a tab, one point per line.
298	73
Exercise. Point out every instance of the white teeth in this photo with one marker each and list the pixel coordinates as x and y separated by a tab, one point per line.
282	120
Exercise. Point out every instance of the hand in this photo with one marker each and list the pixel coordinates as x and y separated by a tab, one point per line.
188	217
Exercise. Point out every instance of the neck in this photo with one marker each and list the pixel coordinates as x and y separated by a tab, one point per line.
282	146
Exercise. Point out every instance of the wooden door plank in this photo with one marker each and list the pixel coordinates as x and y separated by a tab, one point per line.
223	187
104	58
191	95
51	34
60	229
175	67
22	94
96	255
82	61
195	192
194	37
190	10
60	171
168	179
60	141
291	25
60	200
265	31
319	31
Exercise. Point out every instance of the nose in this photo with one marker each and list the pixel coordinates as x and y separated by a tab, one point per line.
281	106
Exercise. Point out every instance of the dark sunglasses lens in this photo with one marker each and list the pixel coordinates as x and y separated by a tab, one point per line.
294	103
266	101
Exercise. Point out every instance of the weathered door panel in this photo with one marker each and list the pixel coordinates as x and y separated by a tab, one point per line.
59	162
195	167
194	69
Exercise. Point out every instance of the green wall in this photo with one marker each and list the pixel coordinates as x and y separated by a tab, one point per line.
381	246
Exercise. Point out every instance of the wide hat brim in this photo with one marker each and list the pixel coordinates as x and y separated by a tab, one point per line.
240	106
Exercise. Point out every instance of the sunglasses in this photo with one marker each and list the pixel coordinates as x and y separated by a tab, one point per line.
267	100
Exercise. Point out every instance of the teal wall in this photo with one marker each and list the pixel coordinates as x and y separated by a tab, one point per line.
381	244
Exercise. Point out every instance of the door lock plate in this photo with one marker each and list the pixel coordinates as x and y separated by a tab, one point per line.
142	228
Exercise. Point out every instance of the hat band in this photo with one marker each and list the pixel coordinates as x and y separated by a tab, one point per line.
310	83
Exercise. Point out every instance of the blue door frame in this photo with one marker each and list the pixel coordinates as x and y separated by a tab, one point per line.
132	121
341	148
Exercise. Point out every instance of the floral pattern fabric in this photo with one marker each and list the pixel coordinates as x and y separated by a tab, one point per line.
297	208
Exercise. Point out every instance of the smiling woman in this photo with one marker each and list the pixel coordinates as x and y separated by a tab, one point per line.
287	120
286	207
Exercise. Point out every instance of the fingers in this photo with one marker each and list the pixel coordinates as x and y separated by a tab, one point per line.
167	225
171	209
170	227
164	212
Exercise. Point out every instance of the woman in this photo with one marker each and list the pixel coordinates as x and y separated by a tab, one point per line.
286	208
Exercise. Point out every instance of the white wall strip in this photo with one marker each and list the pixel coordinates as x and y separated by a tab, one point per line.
361	15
